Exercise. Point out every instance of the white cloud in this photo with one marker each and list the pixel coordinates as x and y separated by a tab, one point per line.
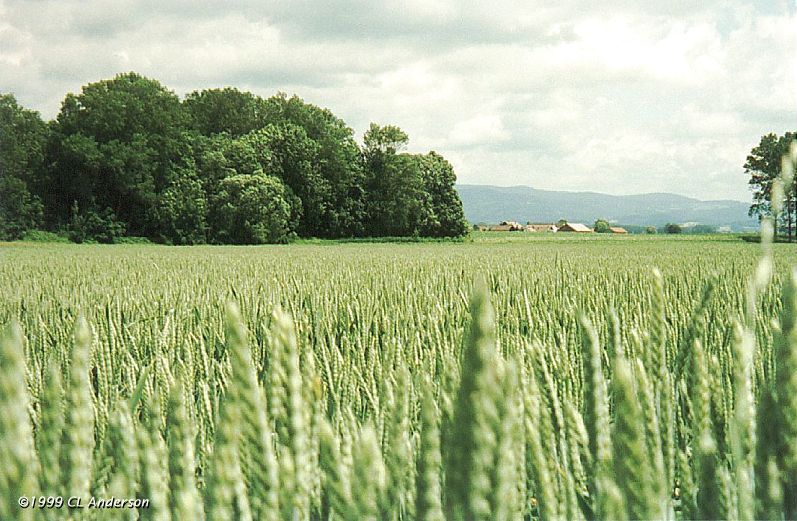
664	51
479	130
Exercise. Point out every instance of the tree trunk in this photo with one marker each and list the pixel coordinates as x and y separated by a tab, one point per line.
793	212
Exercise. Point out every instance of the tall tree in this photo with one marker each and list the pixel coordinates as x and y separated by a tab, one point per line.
396	199
23	137
763	165
295	159
340	177
314	152
117	145
409	194
439	180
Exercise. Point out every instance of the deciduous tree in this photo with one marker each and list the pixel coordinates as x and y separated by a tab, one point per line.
602	226
23	136
227	110
117	145
439	179
763	165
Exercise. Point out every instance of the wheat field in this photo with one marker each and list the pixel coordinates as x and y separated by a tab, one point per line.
555	378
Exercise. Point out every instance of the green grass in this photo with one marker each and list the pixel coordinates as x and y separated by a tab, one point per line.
383	381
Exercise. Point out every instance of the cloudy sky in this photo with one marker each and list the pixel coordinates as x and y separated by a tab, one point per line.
617	96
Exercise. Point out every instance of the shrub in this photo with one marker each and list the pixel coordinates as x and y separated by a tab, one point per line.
94	226
44	236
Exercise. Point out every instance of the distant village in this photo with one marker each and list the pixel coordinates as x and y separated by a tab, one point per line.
512	226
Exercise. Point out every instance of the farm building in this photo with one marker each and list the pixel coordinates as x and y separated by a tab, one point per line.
575	227
507	226
540	227
617	229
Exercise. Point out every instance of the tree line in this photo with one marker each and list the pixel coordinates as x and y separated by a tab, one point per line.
765	165
604	226
127	157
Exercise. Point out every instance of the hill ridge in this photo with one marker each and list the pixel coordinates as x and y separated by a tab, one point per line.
490	203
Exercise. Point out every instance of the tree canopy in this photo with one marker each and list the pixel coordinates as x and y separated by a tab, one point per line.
602	226
409	194
227	110
127	156
117	146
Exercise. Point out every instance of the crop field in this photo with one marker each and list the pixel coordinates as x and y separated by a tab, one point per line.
548	378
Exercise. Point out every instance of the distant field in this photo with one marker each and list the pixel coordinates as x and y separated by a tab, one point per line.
404	393
493	237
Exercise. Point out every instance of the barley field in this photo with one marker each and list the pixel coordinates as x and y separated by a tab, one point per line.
548	378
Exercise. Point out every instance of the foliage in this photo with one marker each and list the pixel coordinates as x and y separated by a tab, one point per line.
408	194
672	228
19	210
602	226
225	111
396	203
127	147
699	228
91	225
131	239
22	140
250	209
650	230
764	166
341	193
182	210
294	158
44	236
115	147
448	216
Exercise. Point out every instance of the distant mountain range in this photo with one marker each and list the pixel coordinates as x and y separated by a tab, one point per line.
492	204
